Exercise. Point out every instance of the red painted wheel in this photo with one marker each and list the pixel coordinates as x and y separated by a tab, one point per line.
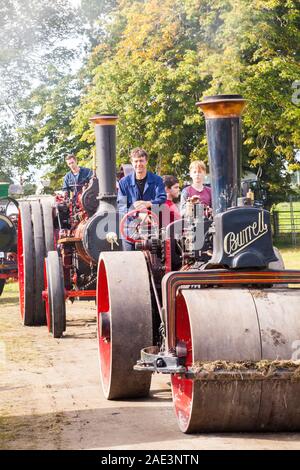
124	323
131	226
26	264
182	387
55	300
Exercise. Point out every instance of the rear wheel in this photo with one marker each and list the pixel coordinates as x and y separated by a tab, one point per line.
55	300
47	212
124	323
26	264
39	255
31	252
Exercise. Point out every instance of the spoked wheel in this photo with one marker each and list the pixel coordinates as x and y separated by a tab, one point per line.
124	323
2	284
26	264
237	325
135	222
55	300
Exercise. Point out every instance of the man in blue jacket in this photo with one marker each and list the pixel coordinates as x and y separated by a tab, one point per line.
76	178
139	190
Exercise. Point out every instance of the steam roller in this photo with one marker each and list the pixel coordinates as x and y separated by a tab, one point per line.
207	300
60	239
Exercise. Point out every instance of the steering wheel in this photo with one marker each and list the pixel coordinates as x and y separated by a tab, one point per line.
131	229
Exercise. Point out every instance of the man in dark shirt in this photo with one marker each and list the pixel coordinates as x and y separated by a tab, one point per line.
141	189
76	178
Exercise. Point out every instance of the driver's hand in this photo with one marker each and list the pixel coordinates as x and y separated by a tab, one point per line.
139	205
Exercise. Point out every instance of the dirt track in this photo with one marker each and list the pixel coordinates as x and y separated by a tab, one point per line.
50	396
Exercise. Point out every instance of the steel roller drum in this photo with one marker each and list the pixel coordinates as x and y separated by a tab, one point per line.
237	326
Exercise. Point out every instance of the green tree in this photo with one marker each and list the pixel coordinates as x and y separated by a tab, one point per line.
47	131
150	62
33	43
150	78
40	42
7	145
258	56
159	58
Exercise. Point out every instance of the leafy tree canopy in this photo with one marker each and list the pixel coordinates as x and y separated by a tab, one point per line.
160	58
149	62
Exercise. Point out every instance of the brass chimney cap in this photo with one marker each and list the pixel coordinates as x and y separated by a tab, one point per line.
104	119
222	106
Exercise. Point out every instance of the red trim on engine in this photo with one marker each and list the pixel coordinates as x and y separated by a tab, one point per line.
9	275
79	293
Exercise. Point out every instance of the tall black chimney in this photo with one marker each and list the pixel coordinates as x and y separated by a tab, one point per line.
101	231
223	128
105	132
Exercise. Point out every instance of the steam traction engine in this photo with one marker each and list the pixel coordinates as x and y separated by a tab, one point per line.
209	302
59	240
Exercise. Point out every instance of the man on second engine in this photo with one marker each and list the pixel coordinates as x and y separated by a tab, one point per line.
140	189
76	178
